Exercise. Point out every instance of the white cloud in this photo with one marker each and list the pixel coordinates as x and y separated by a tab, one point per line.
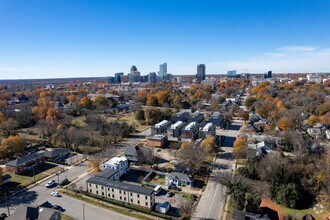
284	60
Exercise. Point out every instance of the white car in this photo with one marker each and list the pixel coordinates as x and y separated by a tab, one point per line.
56	194
50	183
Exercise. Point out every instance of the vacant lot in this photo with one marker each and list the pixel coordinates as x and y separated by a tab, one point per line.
158	179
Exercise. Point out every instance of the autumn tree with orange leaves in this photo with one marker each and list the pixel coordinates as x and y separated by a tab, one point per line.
240	147
11	146
86	102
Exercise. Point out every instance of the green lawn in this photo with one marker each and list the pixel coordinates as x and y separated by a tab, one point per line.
158	179
300	213
40	173
67	217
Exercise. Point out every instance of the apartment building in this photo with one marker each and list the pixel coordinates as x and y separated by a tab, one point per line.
174	131
190	132
207	131
217	119
161	127
124	192
196	117
117	163
180	116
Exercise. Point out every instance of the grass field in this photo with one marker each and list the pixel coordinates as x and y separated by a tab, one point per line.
27	178
66	217
158	179
300	213
129	118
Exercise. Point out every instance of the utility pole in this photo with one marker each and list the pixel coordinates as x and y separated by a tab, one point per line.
34	176
58	179
7	204
83	211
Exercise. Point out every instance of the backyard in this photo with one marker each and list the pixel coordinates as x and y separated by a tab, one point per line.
158	179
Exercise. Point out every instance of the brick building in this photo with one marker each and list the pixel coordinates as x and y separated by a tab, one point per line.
25	163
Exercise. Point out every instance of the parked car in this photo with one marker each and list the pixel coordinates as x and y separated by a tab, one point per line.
64	182
158	150
59	208
56	194
169	194
3	216
50	183
157	189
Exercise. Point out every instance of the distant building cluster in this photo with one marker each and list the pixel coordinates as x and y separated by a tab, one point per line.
134	76
186	127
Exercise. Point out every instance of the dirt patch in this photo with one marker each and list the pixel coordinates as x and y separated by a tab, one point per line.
273	210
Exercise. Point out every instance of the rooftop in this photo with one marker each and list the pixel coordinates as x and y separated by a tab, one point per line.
115	160
207	127
106	173
161	124
179	176
23	159
190	126
176	125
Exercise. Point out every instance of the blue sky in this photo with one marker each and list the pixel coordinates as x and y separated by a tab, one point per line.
79	38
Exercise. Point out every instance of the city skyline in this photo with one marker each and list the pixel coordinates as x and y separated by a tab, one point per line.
64	39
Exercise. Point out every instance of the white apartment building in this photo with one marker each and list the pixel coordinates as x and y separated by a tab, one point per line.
117	163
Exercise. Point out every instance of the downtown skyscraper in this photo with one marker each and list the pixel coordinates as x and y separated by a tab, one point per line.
162	71
200	72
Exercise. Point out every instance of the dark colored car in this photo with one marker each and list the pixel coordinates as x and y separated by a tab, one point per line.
64	182
3	216
59	208
169	194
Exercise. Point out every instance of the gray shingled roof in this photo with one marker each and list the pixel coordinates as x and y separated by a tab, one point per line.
179	176
23	159
106	173
33	213
56	152
121	186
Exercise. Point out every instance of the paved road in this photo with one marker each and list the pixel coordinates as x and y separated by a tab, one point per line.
212	200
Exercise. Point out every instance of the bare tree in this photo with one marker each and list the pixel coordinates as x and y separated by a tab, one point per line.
185	208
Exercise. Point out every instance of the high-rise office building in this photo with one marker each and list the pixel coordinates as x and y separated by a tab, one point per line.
200	72
133	69
117	77
231	74
134	77
162	71
152	77
270	74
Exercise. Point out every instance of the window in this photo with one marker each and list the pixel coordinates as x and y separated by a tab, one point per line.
109	195
90	185
131	200
102	193
119	191
113	190
113	196
131	194
146	197
124	192
90	190
102	187
120	197
95	186
146	204
138	202
138	195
